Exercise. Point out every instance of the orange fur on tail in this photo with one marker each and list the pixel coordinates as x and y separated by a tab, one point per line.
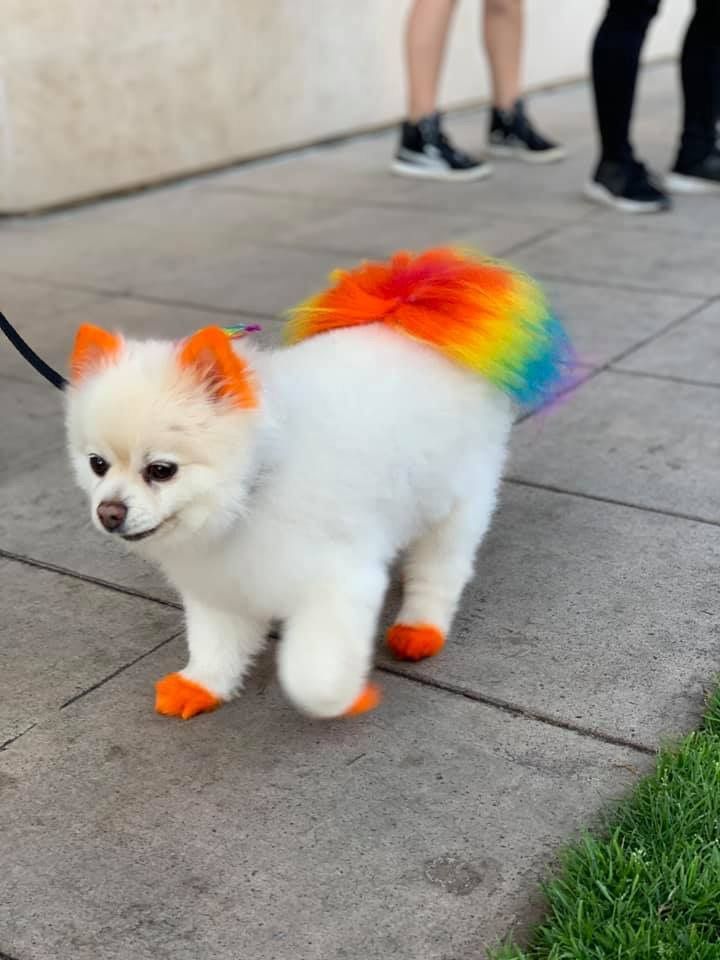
479	313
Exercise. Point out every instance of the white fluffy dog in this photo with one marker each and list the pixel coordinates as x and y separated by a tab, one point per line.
281	485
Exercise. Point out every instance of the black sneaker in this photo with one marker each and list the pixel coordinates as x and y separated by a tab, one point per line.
626	186
513	135
700	177
425	151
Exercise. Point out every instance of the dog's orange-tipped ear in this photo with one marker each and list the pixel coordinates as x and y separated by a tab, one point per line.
93	347
210	355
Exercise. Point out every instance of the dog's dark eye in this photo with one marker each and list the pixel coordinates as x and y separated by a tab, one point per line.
98	466
159	471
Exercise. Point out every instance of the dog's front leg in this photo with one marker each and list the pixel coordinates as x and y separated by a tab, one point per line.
221	647
326	651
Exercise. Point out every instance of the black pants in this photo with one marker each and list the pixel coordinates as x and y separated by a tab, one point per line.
615	60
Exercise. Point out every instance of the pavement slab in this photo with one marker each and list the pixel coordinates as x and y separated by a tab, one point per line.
38	301
252	832
60	636
644	441
110	246
622	254
351	172
605	322
586	638
379	231
690	351
249	280
597	616
32	434
331	173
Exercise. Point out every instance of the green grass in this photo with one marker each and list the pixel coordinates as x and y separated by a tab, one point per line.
649	889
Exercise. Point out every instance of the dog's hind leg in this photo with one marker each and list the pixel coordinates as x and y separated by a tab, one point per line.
327	647
436	568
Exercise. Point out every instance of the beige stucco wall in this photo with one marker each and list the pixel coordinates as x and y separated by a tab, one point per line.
100	95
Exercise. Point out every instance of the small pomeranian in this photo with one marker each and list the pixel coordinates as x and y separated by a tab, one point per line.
281	485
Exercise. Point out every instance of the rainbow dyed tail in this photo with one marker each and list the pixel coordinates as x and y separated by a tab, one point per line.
480	313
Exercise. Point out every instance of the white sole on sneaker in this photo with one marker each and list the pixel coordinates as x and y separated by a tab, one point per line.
599	194
404	169
527	156
681	183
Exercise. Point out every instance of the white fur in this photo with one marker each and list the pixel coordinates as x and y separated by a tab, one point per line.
364	444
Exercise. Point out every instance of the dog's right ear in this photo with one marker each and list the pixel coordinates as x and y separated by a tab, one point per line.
93	348
210	356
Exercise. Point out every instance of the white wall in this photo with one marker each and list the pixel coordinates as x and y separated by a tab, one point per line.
99	96
557	42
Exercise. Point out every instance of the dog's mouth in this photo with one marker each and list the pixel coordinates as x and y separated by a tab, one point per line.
143	534
134	537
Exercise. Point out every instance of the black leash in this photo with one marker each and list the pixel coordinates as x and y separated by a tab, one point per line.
26	351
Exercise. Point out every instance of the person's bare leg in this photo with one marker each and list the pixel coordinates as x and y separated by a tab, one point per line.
425	150
503	36
512	134
426	34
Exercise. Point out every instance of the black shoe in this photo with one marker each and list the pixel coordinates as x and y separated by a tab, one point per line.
425	151
700	177
513	135
626	186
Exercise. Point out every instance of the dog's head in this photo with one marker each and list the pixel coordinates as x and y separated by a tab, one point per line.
160	434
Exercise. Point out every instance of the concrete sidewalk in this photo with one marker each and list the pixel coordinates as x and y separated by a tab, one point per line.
420	831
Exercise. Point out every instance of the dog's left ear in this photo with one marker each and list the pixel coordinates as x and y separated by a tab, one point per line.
93	348
210	355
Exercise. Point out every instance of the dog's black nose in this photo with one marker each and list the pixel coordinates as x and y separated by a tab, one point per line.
112	513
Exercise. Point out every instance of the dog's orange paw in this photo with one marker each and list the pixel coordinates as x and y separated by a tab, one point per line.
415	641
177	697
368	700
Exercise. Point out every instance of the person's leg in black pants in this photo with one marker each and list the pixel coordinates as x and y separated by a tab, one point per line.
697	167
615	65
620	180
